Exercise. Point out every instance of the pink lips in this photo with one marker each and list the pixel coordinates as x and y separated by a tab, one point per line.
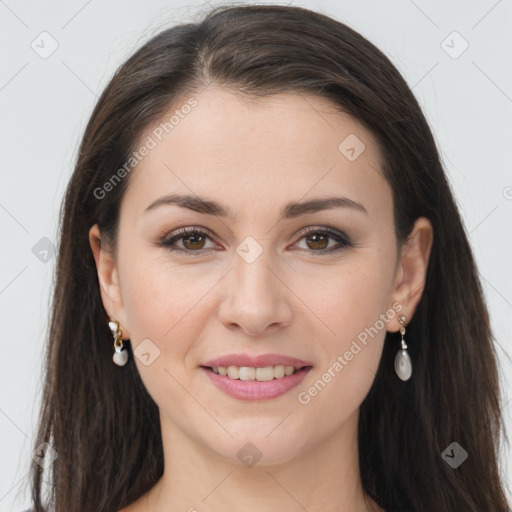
255	390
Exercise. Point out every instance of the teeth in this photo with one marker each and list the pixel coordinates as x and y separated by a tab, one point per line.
259	374
233	372
279	371
247	373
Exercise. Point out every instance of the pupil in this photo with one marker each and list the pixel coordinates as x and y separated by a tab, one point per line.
196	239
318	239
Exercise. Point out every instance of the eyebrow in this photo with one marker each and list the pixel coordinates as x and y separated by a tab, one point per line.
290	211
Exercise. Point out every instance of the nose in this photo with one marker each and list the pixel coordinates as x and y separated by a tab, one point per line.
256	298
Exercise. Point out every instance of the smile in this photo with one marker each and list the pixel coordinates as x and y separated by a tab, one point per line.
260	374
256	383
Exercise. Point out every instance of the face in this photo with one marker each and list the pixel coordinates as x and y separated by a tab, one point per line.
266	273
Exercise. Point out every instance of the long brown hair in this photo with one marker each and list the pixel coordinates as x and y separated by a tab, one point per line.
100	419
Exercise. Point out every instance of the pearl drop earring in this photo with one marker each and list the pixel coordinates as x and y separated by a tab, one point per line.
403	365
120	356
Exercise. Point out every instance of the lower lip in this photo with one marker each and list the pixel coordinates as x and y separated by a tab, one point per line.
254	390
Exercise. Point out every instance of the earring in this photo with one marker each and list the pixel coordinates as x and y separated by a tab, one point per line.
403	365
120	356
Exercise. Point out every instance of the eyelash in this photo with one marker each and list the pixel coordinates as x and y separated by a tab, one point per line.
343	240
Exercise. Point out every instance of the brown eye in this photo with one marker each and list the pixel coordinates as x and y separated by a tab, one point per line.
324	240
193	242
317	241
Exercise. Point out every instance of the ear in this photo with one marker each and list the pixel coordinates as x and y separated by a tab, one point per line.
108	279
412	271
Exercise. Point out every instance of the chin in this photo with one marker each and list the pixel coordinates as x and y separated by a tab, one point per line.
257	444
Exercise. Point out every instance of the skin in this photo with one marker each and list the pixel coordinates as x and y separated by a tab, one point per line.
253	158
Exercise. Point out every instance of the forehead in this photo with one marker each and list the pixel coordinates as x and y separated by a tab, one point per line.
289	144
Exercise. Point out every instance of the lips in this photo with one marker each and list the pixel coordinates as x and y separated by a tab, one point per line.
259	377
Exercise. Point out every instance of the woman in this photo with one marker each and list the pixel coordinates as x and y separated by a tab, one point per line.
265	297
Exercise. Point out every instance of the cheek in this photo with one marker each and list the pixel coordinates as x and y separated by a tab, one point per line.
349	297
165	309
353	304
164	303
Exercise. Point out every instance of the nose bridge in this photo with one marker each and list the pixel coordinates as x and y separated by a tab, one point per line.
251	273
255	298
253	282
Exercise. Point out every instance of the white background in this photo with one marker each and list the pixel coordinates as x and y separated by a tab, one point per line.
45	103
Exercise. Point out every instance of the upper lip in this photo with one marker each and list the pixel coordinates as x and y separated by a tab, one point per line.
255	361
